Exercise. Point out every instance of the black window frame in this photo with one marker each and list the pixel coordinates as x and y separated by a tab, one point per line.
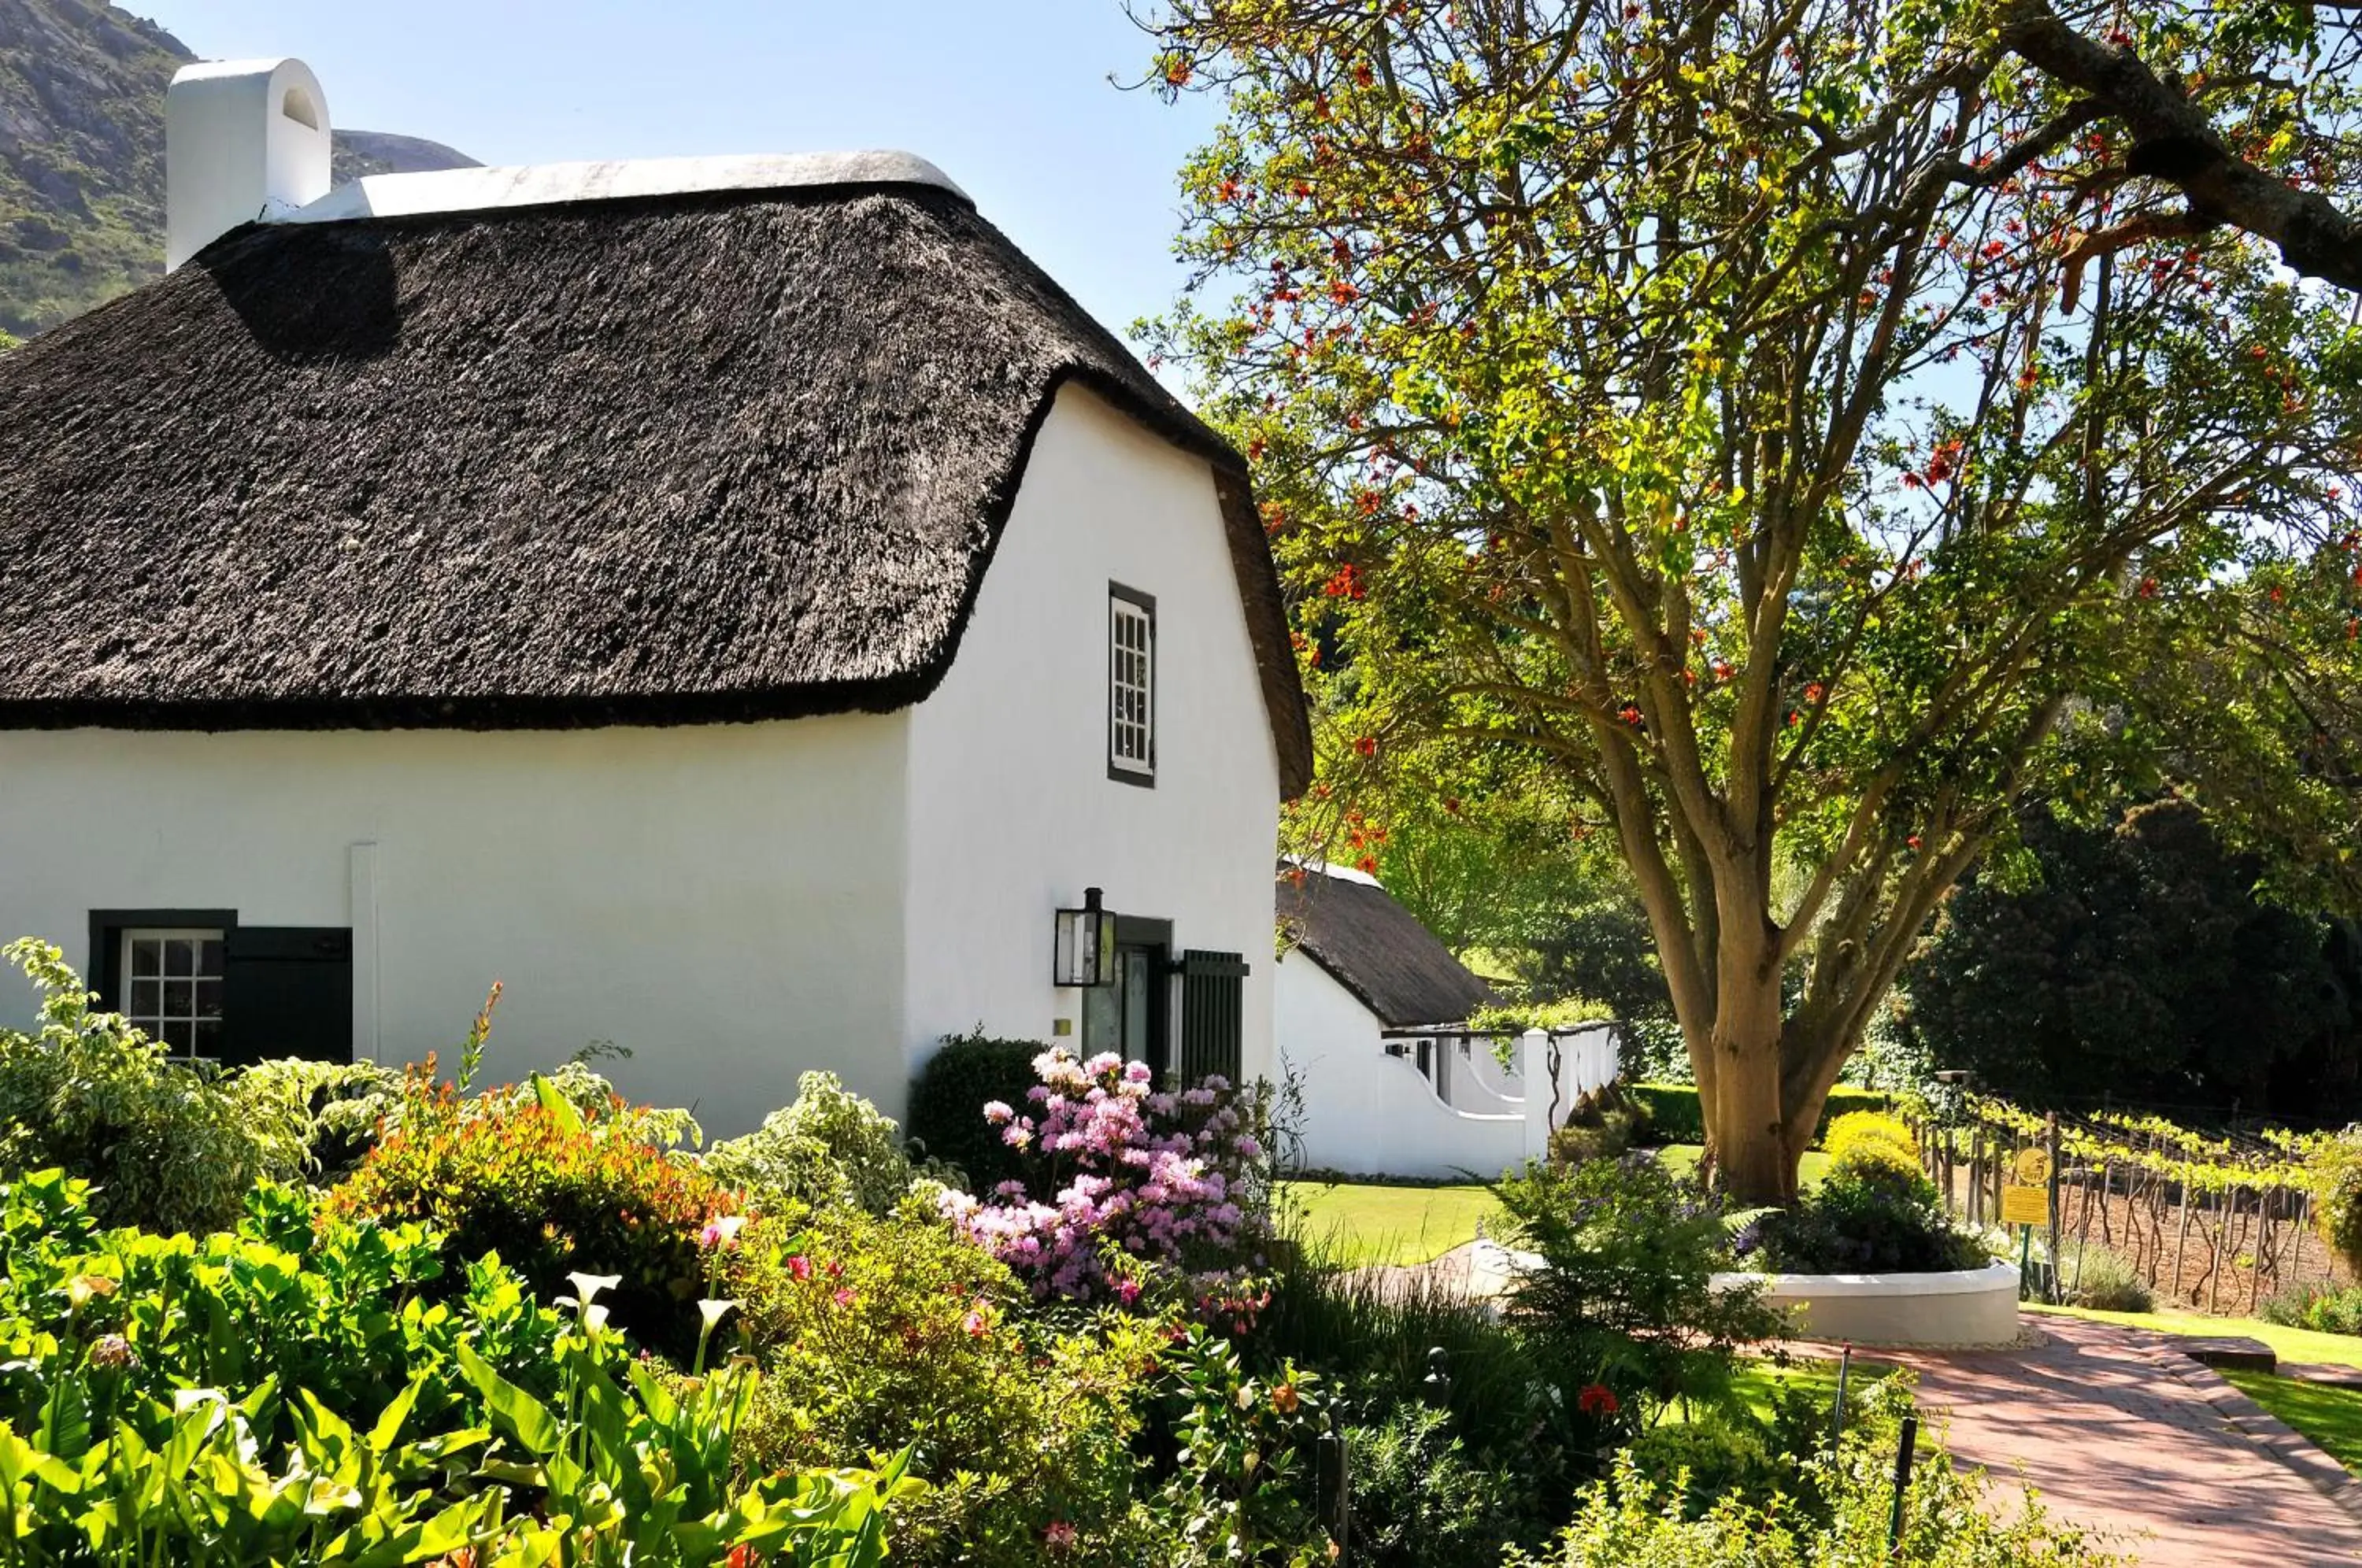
243	1039
104	971
1146	605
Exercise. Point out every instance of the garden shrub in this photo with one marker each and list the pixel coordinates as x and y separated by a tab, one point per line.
1374	1338
1634	1520
554	1189
336	1110
285	1396
351	1313
2103	1278
1863	1219
881	1335
966	1073
1603	1124
1242	1484
2337	1172
2323	1308
831	1147
163	1143
1123	1188
1861	1140
1423	1498
1623	1288
1675	1116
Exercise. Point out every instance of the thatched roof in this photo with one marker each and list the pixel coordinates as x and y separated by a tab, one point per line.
1377	949
729	456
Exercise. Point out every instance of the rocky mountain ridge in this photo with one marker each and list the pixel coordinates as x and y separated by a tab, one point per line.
82	156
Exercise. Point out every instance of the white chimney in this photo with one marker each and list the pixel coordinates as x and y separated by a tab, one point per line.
243	139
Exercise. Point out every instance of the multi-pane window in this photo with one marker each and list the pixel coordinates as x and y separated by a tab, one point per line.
1132	685
173	987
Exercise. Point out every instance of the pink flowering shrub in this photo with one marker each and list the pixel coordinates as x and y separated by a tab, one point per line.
1127	1188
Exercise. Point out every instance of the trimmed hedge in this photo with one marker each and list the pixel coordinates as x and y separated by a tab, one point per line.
948	1100
1675	1117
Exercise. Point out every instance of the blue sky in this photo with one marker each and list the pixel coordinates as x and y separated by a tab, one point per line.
1011	97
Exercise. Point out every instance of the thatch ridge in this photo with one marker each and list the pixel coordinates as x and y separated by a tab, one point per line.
727	455
1377	949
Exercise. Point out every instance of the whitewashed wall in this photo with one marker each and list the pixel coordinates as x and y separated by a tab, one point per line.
725	901
1369	1114
1011	811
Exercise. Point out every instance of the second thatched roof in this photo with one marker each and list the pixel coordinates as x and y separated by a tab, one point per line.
1377	949
727	455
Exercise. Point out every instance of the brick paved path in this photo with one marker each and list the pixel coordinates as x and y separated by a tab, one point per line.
2116	1436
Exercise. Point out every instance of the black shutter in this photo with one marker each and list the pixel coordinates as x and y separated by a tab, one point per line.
287	991
1213	1014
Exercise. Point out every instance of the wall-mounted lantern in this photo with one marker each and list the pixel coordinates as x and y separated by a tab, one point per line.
1084	952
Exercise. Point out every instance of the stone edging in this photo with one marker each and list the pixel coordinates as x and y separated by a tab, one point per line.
2257	1425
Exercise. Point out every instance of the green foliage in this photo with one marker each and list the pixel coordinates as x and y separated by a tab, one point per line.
355	1315
1638	1519
2334	1171
829	1148
1870	1219
1242	1487
297	1391
1603	1124
1560	1014
556	1187
1675	1116
966	1073
1867	1139
1623	1290
878	1335
161	1142
2138	958
2315	1304
1424	1498
336	1108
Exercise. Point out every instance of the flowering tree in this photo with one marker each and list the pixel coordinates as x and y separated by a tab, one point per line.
1126	1181
1795	431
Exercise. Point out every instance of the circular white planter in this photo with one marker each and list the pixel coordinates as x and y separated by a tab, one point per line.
1969	1307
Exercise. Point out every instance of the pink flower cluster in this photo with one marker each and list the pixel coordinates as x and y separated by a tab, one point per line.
1128	1182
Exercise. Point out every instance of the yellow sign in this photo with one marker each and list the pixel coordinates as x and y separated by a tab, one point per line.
2026	1206
2033	1169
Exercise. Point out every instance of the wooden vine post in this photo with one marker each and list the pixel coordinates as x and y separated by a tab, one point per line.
2050	1148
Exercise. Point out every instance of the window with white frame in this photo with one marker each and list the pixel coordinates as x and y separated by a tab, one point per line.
1132	685
171	986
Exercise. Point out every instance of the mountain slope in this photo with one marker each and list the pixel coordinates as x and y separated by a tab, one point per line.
82	156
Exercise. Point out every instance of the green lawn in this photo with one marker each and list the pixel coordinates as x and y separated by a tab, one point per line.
1357	1224
2301	1345
2331	1418
1683	1159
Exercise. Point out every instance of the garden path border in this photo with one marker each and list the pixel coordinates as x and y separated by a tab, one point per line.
2268	1432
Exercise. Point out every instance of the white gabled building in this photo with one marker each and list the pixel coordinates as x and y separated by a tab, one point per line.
1372	1024
736	604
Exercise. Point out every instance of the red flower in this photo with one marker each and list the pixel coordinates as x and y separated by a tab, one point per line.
799	1266
1366	745
1598	1399
1814	691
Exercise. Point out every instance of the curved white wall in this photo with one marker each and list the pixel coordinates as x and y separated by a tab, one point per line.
1011	810
1372	1114
722	900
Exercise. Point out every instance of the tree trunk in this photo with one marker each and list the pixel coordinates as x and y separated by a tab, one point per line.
1755	1150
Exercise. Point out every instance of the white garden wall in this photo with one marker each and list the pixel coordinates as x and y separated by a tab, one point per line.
722	900
1011	810
1369	1114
